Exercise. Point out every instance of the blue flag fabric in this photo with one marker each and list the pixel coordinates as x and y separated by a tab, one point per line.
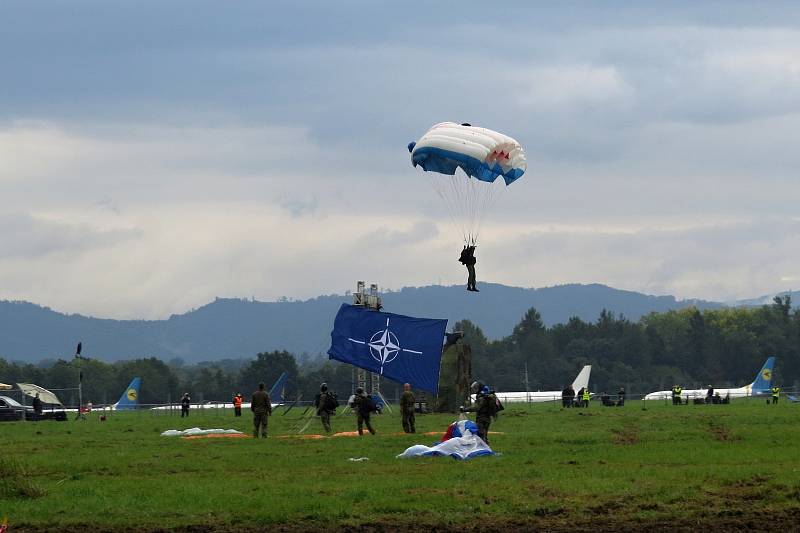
401	348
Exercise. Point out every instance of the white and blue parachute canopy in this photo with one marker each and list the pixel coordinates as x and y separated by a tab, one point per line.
481	153
461	441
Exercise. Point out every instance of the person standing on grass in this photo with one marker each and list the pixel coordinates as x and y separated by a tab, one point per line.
776	394
363	406
567	396
621	397
262	409
37	407
185	403
407	402
677	390
586	397
237	405
485	407
326	404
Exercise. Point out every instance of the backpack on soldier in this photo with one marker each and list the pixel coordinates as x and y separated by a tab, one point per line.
331	402
368	404
497	406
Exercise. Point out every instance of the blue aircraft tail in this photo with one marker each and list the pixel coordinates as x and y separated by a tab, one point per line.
763	380
277	394
130	398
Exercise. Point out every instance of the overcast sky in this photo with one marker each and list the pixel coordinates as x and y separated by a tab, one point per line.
154	155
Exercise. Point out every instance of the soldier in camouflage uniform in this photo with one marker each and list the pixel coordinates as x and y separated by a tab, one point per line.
262	408
320	402
363	406
485	407
407	401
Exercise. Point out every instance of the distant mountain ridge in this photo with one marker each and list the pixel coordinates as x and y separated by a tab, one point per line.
231	328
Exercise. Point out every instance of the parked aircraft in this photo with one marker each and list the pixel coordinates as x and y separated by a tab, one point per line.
546	396
130	398
759	387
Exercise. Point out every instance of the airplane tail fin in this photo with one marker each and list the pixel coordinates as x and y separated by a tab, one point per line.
277	392
130	398
582	381
763	379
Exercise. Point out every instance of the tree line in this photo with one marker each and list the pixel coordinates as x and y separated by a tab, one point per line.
722	347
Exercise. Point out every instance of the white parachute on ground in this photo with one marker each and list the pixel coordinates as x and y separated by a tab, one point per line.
482	154
191	432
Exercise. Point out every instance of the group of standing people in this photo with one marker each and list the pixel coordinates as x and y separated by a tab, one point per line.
363	405
486	407
570	399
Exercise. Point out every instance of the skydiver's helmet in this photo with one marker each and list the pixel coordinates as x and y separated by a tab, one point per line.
323	387
476	387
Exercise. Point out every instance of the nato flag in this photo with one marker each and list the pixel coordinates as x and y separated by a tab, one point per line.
401	348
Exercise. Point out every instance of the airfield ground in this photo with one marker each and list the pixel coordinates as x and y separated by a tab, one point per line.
716	467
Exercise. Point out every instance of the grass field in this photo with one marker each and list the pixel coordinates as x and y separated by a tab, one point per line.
719	466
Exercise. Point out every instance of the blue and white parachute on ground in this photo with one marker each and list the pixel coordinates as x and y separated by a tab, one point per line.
482	154
462	442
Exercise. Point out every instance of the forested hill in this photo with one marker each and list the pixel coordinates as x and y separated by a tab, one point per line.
241	328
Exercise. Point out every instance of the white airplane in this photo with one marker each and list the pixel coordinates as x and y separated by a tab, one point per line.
760	386
580	382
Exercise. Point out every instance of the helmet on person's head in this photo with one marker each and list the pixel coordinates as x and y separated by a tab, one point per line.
484	390
476	386
360	390
323	387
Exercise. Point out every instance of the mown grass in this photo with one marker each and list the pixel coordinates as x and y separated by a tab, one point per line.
558	468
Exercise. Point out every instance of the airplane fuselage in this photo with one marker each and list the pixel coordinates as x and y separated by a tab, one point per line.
740	392
529	397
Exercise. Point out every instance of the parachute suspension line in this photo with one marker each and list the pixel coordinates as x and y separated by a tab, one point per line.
467	199
487	195
461	204
449	199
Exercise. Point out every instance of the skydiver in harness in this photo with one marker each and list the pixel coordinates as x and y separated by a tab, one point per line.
468	260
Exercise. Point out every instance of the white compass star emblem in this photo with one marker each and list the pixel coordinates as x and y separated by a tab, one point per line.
384	346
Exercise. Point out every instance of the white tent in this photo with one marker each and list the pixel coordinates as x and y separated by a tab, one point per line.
29	389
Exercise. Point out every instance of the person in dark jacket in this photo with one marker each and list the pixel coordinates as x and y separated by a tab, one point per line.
468	260
363	406
185	403
262	408
485	407
567	396
325	402
38	408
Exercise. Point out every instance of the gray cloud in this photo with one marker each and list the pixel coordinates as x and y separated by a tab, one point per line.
27	237
661	146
